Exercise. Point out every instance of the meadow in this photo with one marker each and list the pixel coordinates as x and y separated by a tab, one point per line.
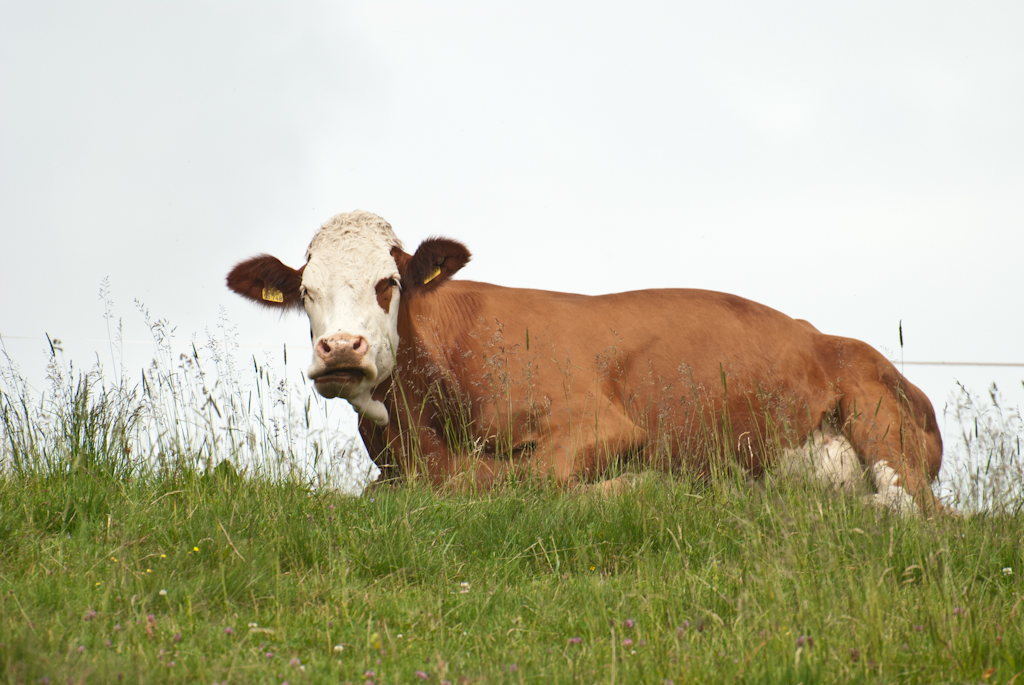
160	530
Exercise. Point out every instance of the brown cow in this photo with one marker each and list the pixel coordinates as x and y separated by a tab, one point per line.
466	380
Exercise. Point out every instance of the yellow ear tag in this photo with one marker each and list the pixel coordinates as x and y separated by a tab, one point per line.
273	295
435	274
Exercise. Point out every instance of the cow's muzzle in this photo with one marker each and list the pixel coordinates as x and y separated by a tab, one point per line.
341	364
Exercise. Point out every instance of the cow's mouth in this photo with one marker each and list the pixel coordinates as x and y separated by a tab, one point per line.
342	376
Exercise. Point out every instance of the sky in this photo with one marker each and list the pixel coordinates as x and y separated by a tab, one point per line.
858	165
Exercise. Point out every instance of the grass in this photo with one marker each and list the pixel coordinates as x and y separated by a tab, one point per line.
127	554
203	579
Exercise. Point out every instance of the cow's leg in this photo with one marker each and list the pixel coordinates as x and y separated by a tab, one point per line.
459	467
585	444
888	422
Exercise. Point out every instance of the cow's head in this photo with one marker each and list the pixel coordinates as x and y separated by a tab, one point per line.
354	280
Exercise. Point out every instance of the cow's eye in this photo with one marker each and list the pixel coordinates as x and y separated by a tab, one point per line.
303	293
393	282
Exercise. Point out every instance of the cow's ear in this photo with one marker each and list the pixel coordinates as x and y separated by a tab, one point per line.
264	279
436	260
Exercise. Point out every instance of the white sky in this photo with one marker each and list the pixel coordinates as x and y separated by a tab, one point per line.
854	164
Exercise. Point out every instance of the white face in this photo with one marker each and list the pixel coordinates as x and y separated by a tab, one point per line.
350	289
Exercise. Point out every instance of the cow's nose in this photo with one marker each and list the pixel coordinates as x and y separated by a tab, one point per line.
341	343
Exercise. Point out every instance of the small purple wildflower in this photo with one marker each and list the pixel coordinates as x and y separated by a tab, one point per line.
627	642
109	643
89	615
229	631
171	664
642	643
177	637
117	627
686	624
294	662
422	676
270	655
81	649
575	640
512	668
959	611
45	680
805	640
331	507
918	628
628	623
904	646
370	674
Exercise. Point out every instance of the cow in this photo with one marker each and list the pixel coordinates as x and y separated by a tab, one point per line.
470	383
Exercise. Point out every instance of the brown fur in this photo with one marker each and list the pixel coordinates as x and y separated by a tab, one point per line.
385	291
678	377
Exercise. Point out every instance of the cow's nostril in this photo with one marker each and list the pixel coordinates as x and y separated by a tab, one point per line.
358	345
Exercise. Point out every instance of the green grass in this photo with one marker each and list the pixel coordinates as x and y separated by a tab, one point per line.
720	582
126	557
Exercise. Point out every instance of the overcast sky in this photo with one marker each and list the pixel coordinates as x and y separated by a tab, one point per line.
853	164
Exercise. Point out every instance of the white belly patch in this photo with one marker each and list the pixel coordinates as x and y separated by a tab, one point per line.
827	458
830	459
